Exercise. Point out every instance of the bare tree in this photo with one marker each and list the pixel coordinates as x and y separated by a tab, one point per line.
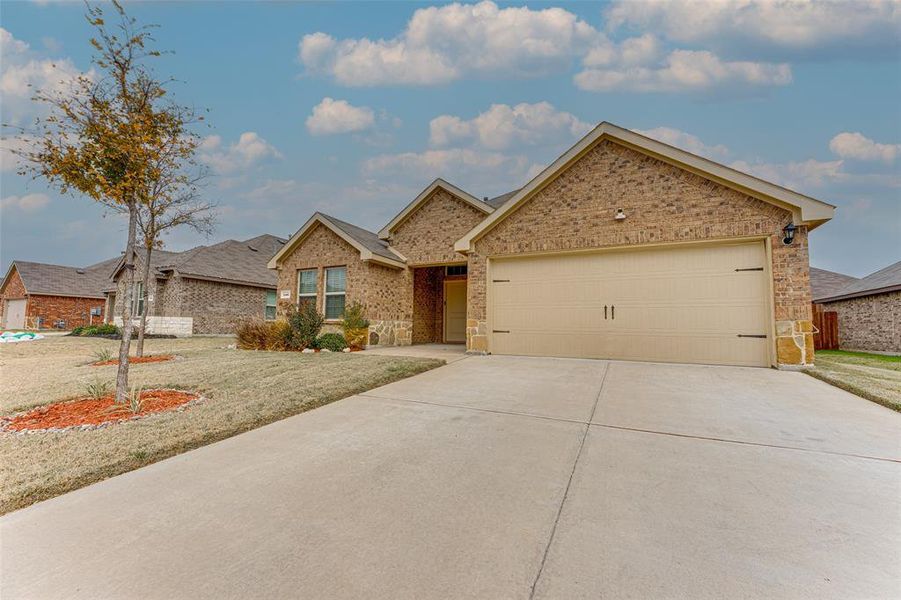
106	137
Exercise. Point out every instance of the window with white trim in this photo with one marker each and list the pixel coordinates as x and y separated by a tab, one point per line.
270	305
137	300
306	286
335	286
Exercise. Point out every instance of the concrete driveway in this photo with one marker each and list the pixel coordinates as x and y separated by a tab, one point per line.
502	477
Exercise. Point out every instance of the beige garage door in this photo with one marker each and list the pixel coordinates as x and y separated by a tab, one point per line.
693	304
15	314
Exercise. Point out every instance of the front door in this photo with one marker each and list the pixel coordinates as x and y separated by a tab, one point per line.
455	311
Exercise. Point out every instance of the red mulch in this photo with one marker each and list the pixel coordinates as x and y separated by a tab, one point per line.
136	360
87	411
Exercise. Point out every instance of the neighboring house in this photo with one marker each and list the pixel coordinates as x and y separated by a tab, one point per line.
204	290
868	309
43	296
623	248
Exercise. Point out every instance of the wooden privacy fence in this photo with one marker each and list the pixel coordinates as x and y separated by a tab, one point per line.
825	324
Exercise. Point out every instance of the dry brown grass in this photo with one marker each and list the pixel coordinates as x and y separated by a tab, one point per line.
872	376
246	389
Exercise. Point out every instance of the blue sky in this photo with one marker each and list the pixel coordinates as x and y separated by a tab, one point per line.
352	108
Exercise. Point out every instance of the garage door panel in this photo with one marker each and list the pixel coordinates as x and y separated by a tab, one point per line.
687	304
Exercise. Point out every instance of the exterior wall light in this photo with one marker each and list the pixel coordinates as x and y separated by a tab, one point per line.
789	231
620	214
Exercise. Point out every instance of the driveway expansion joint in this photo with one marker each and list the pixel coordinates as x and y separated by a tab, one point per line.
569	482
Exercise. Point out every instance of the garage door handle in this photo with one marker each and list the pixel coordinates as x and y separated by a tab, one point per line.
605	312
751	269
612	312
763	335
500	331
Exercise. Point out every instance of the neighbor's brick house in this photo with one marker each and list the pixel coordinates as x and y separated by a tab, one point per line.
45	296
696	262
868	309
205	290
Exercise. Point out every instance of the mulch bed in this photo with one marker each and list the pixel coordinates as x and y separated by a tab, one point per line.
136	360
88	413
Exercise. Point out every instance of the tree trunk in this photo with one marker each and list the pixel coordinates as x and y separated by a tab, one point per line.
145	278
125	346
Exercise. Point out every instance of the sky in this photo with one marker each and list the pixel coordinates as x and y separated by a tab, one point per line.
353	108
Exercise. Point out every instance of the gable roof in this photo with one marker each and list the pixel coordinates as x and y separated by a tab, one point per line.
485	207
881	282
243	262
44	279
498	201
805	210
369	245
825	283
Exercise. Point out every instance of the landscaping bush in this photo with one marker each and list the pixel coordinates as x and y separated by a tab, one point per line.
355	326
331	341
306	323
254	334
96	330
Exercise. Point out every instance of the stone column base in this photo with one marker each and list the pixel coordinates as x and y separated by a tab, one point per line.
794	344
476	336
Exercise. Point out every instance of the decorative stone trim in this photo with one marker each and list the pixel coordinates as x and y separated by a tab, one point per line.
794	343
390	333
476	336
178	326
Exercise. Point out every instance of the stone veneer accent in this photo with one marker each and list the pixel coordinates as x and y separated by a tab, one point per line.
178	326
663	204
869	322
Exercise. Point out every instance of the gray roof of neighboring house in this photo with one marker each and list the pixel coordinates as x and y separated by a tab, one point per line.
498	201
825	283
880	282
59	280
368	239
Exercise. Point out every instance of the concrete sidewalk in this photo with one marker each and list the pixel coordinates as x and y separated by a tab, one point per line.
502	477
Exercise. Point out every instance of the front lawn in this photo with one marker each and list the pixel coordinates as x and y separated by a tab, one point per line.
876	377
245	389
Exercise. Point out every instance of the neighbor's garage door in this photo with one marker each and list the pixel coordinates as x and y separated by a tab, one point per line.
697	304
15	314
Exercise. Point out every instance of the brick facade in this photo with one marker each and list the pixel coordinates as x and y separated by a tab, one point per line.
215	306
664	204
869	323
44	311
427	236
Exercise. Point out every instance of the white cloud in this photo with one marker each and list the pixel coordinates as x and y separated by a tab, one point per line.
442	44
22	73
685	141
338	116
795	175
248	151
768	27
682	71
859	147
27	203
503	126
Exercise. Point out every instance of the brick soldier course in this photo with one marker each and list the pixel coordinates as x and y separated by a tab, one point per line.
672	197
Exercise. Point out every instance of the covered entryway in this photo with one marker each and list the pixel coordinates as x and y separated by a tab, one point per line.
689	303
14	315
439	304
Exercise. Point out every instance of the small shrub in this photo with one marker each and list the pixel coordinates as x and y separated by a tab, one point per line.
331	341
104	329
355	325
103	355
77	331
98	388
306	323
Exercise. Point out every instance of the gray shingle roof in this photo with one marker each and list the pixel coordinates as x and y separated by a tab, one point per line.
498	201
884	280
231	260
60	280
366	238
825	283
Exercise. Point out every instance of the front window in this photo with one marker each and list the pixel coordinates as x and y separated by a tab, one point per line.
137	302
270	305
454	270
335	285
306	287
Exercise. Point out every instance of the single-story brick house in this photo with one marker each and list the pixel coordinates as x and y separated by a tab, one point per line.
623	248
205	290
44	296
868	309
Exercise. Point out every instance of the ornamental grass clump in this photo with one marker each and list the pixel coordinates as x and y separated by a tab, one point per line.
355	326
256	334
